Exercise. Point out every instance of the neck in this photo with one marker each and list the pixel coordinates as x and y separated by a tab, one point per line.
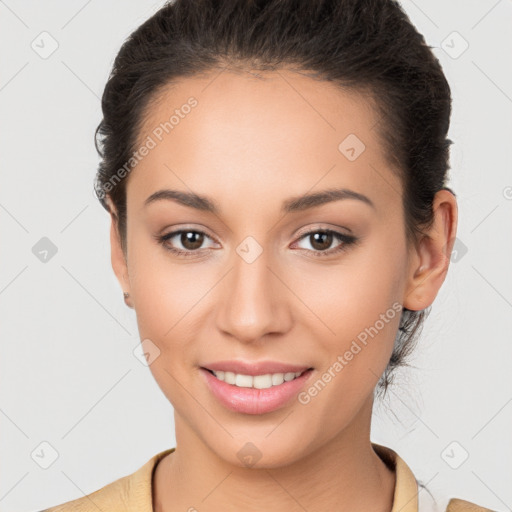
344	474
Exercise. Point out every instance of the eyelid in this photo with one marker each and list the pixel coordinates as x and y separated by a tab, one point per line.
180	230
345	242
322	227
174	229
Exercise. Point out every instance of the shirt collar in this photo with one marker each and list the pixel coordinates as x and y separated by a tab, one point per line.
405	498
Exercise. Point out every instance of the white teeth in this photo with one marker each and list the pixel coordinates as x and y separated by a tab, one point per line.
256	381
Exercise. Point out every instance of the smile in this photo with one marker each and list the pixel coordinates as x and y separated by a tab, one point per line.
254	394
256	381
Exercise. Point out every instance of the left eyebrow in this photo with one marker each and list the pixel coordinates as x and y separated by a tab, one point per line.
294	204
307	201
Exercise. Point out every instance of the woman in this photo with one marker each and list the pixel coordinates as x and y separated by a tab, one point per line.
275	172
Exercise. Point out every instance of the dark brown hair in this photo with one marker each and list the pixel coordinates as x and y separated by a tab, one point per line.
368	46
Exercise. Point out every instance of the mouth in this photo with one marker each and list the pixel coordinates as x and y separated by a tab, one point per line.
262	381
255	394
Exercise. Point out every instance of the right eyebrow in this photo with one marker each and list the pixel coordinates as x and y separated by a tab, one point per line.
189	199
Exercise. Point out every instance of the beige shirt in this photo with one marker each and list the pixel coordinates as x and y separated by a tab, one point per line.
133	493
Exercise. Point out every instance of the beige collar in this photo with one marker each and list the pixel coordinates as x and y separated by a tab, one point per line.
406	487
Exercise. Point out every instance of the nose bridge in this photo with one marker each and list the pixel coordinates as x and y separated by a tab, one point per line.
252	304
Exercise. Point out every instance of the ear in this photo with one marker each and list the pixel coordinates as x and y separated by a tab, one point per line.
429	262
117	256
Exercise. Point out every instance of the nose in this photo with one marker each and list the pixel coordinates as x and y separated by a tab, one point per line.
253	301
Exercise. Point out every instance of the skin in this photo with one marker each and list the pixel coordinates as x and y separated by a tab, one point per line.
251	144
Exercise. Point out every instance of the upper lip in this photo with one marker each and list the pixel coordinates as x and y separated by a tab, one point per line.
255	368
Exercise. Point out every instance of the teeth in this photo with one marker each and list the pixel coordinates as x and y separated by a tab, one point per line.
256	381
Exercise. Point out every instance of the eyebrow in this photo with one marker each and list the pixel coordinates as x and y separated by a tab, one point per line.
293	204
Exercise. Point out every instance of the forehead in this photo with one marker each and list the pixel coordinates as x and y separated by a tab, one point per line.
282	134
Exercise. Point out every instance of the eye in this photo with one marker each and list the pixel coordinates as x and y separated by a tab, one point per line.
322	239
190	239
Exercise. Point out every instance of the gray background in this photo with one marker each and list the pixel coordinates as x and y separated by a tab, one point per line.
68	373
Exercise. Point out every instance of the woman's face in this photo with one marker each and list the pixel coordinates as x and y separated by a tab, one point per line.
259	279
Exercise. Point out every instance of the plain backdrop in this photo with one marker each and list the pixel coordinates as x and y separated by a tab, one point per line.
71	387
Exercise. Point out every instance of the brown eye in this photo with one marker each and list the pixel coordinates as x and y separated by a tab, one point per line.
322	239
185	242
191	240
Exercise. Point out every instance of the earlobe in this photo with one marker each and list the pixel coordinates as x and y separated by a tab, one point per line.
429	266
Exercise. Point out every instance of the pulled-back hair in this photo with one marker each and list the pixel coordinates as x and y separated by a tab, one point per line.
368	46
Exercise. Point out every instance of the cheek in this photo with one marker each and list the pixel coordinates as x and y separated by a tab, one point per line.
163	292
167	301
171	303
167	298
360	315
350	296
357	306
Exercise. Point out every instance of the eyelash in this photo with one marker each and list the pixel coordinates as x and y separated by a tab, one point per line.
346	239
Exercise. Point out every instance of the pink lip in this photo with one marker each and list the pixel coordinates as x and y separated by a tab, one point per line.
251	400
257	368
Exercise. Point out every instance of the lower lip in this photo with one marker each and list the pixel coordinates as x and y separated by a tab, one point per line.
251	400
